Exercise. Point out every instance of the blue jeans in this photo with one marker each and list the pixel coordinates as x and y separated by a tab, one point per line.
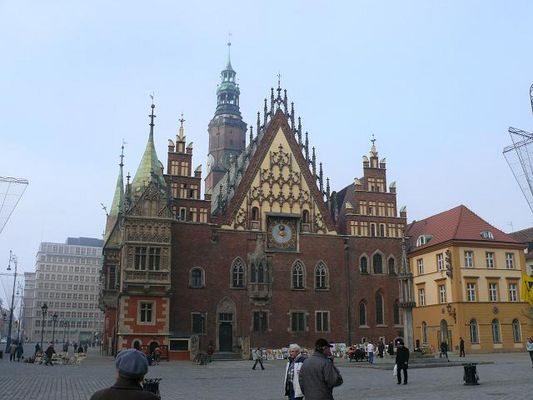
371	357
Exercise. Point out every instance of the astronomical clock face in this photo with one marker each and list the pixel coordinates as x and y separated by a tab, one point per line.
282	234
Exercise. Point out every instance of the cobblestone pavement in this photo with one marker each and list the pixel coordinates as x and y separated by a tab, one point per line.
509	377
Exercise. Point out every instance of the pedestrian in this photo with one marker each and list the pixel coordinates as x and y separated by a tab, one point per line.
390	348
20	351
65	347
292	372
80	349
444	350
37	348
529	348
12	351
381	349
210	351
257	356
370	350
318	376
402	360
85	348
132	366
461	347
49	354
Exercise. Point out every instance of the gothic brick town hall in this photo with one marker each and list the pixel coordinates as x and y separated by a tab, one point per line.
270	255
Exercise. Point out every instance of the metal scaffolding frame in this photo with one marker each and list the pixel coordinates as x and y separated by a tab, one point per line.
11	191
519	157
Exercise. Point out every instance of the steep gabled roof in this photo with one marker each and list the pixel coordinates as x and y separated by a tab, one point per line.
459	223
237	181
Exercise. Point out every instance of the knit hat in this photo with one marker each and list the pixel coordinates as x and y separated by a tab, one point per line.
131	364
321	344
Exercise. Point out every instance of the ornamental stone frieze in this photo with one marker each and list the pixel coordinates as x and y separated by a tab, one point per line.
158	233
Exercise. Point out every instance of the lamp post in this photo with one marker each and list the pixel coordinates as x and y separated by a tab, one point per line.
13	258
44	309
54	322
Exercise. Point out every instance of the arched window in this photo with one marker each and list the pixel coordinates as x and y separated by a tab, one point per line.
297	275
197	278
362	313
255	214
396	312
305	216
321	276
363	265
424	332
377	263
379	309
237	273
392	266
382	230
517	334
474	332
496	337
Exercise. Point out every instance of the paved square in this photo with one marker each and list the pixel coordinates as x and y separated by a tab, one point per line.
510	377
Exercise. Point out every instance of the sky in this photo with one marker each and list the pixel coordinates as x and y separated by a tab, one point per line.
438	83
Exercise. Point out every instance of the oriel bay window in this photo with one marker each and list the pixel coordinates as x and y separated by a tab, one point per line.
147	258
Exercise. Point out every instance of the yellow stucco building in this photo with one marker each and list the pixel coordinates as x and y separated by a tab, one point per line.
467	284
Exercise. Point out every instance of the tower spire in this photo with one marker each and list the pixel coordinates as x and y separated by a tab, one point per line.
228	65
150	167
181	133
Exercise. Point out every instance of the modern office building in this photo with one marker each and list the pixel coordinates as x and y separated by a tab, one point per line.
66	280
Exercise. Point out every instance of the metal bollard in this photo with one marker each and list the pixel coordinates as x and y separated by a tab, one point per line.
470	376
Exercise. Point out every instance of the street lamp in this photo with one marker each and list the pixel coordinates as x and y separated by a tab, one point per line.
54	322
13	258
44	309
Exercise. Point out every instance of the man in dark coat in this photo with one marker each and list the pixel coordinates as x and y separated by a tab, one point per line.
49	354
131	365
461	347
402	359
318	376
444	350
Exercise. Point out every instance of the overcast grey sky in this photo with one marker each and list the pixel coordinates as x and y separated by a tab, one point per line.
437	82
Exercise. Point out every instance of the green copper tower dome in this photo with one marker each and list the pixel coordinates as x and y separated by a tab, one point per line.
150	167
228	91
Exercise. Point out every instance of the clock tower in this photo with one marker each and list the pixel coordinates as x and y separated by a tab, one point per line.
227	130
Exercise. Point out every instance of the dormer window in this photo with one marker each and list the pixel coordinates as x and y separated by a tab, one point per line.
423	239
487	235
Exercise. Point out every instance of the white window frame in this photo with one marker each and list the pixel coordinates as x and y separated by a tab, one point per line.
422	297
420	266
440	262
442	294
469	259
513	292
471	292
509	261
489	256
493	291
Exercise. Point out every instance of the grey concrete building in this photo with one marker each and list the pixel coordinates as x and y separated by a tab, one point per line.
66	279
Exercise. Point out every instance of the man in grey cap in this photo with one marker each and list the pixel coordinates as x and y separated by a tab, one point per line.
131	365
318	376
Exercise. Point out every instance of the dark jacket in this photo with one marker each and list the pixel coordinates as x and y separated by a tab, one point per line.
124	389
318	376
50	351
402	356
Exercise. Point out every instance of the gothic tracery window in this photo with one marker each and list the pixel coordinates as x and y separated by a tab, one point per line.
237	273
321	276
297	277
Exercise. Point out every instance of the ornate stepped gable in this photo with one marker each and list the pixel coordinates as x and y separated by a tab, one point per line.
273	175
